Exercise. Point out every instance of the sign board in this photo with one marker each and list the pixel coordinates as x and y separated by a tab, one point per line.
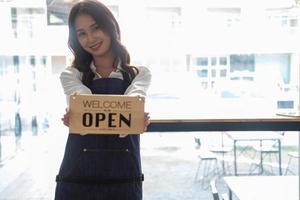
106	114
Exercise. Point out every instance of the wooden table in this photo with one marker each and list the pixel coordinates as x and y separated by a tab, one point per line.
263	187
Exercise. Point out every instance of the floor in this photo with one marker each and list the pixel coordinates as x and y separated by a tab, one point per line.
169	164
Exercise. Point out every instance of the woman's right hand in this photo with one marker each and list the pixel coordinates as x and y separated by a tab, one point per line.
66	117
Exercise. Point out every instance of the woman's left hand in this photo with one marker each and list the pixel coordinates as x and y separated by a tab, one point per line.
146	120
66	118
146	123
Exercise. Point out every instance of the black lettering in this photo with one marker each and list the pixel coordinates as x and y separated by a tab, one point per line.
111	119
87	119
125	120
106	104
99	117
113	104
121	105
87	104
96	104
128	105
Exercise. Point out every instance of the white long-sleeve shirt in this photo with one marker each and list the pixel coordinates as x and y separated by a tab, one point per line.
71	80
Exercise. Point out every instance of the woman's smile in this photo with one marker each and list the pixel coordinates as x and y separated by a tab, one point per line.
96	46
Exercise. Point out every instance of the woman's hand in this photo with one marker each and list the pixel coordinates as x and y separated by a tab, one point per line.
66	117
146	123
146	120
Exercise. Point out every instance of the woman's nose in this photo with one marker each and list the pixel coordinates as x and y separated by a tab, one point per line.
90	37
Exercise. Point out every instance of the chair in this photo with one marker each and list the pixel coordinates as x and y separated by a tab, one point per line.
208	165
292	155
267	149
222	150
215	193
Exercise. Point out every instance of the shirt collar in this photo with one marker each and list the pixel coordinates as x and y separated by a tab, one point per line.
93	67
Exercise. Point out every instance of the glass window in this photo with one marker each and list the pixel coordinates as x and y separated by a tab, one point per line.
57	12
16	62
213	73
223	72
242	62
173	47
208	59
213	61
27	21
202	61
203	73
223	61
32	60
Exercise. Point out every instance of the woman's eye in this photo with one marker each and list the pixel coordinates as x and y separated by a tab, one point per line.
80	34
95	28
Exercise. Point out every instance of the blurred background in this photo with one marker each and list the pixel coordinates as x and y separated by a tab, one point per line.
209	59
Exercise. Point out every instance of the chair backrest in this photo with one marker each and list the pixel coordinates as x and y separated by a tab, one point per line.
272	144
275	143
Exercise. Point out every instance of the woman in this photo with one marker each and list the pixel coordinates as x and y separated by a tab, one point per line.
100	166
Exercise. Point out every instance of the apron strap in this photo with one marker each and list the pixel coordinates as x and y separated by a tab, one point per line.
127	79
95	180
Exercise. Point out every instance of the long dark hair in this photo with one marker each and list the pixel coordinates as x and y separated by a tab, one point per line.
107	22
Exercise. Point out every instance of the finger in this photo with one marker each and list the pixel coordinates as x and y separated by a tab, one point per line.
147	119
146	115
65	120
67	115
148	122
66	123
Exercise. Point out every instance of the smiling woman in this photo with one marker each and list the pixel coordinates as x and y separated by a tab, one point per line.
101	65
93	39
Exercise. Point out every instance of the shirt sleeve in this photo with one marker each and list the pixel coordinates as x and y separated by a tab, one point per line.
71	80
140	83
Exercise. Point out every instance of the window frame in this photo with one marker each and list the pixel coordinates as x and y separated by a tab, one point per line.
214	124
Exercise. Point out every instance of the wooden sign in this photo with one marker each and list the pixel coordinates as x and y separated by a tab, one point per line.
106	114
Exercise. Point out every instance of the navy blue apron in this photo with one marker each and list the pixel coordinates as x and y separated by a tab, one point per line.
101	167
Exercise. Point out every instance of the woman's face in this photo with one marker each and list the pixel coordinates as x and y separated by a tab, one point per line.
91	38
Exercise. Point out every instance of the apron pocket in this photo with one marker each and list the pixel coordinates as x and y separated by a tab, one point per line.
105	163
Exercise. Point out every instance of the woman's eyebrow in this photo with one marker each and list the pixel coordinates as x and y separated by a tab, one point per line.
93	25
